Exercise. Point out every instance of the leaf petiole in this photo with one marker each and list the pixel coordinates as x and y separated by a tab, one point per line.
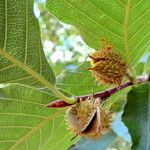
38	77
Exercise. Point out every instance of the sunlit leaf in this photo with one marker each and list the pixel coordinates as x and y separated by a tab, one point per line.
125	24
22	59
147	66
79	81
117	97
139	68
25	122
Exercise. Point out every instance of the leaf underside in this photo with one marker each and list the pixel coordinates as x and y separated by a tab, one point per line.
79	81
96	19
20	38
25	122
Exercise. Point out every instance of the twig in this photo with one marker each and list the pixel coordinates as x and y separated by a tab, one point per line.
102	95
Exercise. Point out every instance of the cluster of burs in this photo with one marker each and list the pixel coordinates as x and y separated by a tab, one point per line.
88	118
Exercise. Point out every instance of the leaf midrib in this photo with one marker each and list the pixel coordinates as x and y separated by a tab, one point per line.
26	68
36	76
39	126
126	46
5	41
26	31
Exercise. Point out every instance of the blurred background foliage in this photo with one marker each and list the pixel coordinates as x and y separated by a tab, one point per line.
63	46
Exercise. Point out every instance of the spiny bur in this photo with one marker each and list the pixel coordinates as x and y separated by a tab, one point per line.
87	119
107	66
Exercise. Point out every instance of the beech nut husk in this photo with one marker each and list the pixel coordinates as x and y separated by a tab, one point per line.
107	66
87	119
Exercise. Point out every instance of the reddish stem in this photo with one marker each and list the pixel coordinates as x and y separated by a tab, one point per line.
102	95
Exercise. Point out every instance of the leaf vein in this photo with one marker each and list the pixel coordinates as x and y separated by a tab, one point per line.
121	2
94	20
6	30
137	3
21	127
19	100
20	79
40	125
104	13
26	35
139	30
40	143
140	42
60	141
7	141
21	114
135	21
40	57
140	51
8	67
27	146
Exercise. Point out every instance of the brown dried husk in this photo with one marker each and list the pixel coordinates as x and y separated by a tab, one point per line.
87	119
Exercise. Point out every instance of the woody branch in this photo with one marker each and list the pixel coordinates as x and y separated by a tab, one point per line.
101	95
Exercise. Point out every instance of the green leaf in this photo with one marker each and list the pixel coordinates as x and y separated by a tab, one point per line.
123	23
139	68
136	116
116	98
100	144
79	81
22	58
147	66
25	122
21	55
